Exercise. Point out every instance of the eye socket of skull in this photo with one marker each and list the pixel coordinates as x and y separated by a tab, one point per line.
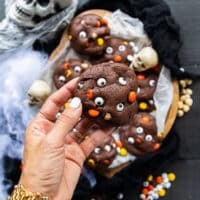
139	59
28	1
43	3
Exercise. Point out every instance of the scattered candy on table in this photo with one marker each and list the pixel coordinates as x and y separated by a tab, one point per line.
156	187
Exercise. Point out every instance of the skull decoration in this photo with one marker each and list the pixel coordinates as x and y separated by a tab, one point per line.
38	92
30	12
147	58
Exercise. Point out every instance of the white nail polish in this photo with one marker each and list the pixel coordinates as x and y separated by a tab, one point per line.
75	102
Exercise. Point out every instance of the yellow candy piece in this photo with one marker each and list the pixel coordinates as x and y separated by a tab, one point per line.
123	152
66	105
143	106
91	162
100	41
162	192
70	37
125	43
68	73
160	135
171	177
86	137
150	178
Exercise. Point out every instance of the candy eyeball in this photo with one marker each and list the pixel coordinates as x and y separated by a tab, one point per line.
80	85
131	140
109	50
145	183
77	69
82	34
122	48
120	107
62	78
148	138
152	83
122	81
97	150
99	101
130	58
139	130
101	82
107	148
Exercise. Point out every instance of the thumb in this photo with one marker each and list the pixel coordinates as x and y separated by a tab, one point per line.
67	120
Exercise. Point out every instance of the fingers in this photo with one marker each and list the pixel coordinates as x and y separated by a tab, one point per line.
67	120
53	104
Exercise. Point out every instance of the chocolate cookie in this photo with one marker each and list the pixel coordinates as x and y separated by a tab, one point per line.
141	136
103	155
68	70
87	33
117	50
108	93
147	83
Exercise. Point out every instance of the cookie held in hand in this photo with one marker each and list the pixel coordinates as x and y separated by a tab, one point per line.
108	93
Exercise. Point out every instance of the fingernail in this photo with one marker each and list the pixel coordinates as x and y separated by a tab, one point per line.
75	102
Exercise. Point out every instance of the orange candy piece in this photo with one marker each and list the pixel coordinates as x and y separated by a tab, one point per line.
159	179
150	187
140	76
117	58
156	146
119	144
66	65
93	113
105	21
90	94
132	97
98	24
87	44
145	120
139	140
145	191
106	162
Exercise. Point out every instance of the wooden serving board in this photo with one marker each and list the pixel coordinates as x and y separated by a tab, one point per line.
172	111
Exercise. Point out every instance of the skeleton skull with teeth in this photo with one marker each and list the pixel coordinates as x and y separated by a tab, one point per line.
38	92
29	12
147	58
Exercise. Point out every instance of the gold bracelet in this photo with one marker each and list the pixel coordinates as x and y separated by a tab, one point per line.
20	193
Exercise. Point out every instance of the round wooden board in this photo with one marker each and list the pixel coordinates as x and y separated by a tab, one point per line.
172	111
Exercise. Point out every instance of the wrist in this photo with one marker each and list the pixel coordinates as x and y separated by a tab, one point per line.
32	183
20	192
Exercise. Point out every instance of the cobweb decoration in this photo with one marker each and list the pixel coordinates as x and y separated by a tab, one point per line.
18	70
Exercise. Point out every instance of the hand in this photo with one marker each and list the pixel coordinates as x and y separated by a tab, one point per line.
52	158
